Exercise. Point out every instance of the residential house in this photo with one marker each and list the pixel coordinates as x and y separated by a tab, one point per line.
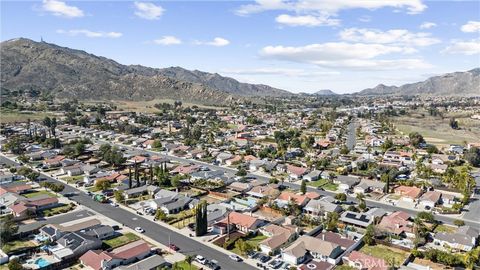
464	239
287	196
346	182
270	190
362	261
308	246
409	194
366	186
312	176
73	245
397	223
278	236
124	255
361	219
241	222
321	207
295	172
430	199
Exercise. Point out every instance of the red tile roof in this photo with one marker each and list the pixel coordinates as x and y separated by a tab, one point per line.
131	250
241	220
298	198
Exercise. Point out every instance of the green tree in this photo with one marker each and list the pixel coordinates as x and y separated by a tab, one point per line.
473	156
416	139
341	197
201	224
79	148
119	197
243	246
15	265
8	228
189	260
241	172
303	187
369	237
459	222
160	215
157	144
332	221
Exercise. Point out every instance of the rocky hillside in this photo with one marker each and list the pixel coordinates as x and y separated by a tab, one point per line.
451	84
41	67
325	92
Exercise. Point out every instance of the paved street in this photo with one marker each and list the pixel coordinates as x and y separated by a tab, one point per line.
351	135
55	220
152	230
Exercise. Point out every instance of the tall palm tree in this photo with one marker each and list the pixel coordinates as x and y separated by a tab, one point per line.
189	260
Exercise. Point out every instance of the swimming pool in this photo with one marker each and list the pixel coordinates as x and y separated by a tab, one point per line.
41	262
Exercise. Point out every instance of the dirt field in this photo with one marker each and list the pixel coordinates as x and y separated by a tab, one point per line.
13	117
437	131
148	106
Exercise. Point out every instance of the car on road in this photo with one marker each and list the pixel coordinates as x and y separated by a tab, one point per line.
173	247
114	204
201	259
139	229
235	258
213	264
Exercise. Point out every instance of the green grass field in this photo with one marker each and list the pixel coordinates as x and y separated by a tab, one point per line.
183	265
17	245
317	183
38	193
121	240
386	253
253	242
9	116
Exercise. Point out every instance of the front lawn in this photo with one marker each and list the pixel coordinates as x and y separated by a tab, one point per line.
252	242
318	183
445	228
18	245
386	253
38	193
121	240
73	179
183	265
330	186
57	210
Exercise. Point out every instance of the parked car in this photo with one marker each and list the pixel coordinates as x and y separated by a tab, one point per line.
173	247
114	204
213	265
252	254
264	258
139	229
275	264
201	259
235	258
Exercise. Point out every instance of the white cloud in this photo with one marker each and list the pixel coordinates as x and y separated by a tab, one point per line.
217	42
90	34
59	8
290	72
427	25
365	18
471	27
395	36
330	7
345	55
470	47
306	20
148	11
168	40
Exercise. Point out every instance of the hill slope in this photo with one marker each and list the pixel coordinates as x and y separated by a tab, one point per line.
325	92
451	84
39	67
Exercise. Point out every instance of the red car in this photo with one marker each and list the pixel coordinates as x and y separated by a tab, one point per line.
173	247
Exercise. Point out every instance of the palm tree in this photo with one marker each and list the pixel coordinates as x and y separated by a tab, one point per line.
189	260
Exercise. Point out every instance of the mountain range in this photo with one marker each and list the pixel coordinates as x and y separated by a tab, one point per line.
44	68
451	84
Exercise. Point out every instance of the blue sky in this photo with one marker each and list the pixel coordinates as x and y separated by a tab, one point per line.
297	45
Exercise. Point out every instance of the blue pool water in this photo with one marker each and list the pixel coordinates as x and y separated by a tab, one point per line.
41	262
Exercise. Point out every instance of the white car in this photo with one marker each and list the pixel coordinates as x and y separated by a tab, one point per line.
139	229
201	259
114	204
235	258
